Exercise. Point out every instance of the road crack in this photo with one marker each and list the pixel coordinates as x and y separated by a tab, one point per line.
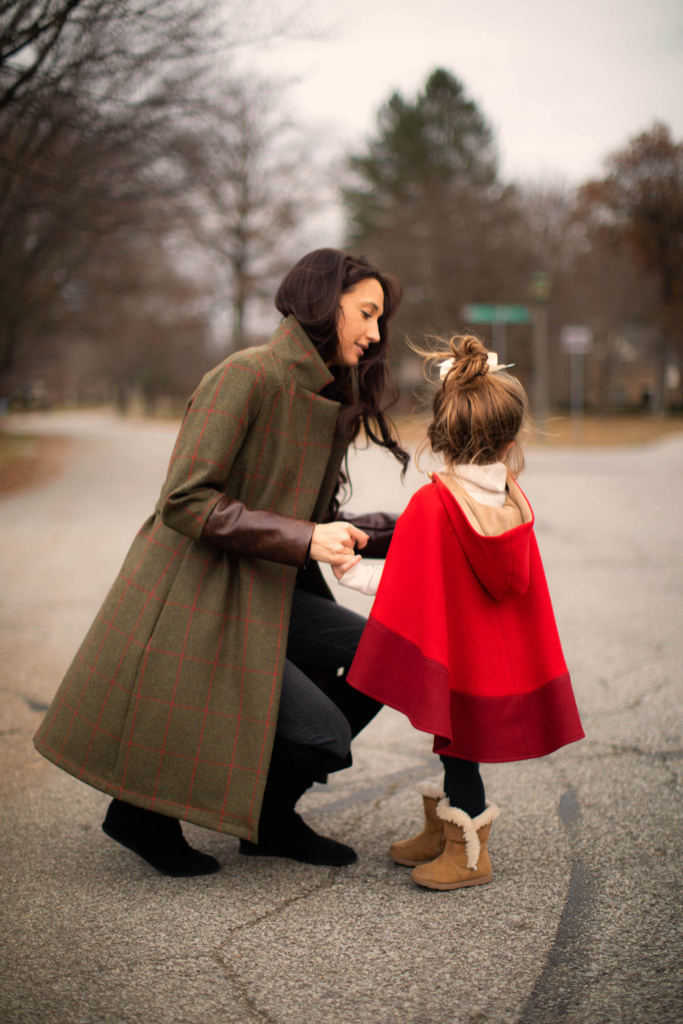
231	974
392	784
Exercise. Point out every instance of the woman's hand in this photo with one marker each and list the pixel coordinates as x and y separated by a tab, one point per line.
343	568
333	542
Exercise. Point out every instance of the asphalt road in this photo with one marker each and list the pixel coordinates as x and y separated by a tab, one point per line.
582	922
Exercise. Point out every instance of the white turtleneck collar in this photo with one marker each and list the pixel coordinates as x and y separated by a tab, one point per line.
486	484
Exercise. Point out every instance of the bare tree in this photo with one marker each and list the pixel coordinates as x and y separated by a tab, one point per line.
30	33
50	47
97	100
594	280
640	202
256	188
547	227
92	92
129	324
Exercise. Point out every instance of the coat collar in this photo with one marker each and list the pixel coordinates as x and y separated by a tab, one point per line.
292	345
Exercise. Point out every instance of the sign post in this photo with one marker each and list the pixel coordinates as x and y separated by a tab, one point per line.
576	341
540	291
498	316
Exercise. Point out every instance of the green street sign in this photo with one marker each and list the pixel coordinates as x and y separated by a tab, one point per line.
491	314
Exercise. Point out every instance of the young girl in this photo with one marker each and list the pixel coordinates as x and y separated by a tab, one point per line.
462	637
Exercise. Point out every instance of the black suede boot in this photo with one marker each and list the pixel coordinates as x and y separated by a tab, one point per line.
282	832
157	839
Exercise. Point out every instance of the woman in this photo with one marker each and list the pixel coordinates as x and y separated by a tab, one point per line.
192	696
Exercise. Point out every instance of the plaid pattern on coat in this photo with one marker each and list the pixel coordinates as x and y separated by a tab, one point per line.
171	702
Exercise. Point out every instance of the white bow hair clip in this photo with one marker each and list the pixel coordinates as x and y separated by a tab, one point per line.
491	365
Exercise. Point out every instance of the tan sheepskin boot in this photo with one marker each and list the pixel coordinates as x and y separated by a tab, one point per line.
430	842
465	859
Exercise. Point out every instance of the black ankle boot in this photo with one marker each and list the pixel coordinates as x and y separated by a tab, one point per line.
288	835
157	839
282	832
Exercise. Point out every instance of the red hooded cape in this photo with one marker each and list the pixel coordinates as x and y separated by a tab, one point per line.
462	636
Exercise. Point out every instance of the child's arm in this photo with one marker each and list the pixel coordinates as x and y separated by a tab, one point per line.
364	578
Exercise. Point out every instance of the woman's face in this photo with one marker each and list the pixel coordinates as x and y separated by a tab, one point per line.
358	323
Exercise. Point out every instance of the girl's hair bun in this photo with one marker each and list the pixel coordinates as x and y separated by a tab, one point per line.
469	361
477	415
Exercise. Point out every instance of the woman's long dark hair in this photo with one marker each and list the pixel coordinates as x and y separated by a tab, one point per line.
311	292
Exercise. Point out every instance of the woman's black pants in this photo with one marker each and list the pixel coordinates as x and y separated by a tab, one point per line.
319	711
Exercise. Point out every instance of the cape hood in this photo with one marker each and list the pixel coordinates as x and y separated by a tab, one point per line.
500	563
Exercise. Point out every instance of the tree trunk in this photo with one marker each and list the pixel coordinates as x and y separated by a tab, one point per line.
239	301
661	402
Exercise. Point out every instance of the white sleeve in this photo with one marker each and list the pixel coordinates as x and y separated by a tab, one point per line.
363	577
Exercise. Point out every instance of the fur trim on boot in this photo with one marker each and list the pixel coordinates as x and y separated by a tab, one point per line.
465	859
429	843
431	790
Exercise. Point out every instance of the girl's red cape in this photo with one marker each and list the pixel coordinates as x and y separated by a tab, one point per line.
462	636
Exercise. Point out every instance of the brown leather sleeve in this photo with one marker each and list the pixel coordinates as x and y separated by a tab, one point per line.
231	526
379	526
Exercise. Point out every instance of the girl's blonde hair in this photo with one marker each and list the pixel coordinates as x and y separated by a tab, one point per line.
477	414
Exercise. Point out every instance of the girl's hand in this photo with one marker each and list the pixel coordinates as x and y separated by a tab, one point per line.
339	570
333	542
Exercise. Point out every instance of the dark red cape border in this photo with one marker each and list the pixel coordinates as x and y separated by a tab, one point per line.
515	727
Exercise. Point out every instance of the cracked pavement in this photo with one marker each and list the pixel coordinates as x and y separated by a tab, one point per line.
582	922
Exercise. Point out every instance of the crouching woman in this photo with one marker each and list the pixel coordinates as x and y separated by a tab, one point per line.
211	686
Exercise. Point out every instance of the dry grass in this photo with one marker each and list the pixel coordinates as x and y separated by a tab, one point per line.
608	430
595	430
27	461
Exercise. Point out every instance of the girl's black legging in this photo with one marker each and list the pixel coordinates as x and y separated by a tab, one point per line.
463	785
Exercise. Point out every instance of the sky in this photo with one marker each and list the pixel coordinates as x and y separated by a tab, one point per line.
562	84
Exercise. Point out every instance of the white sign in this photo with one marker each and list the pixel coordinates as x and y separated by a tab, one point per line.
576	340
673	377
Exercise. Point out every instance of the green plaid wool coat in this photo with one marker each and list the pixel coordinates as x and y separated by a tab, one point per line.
171	702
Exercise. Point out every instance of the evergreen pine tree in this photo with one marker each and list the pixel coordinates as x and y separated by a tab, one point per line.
428	204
